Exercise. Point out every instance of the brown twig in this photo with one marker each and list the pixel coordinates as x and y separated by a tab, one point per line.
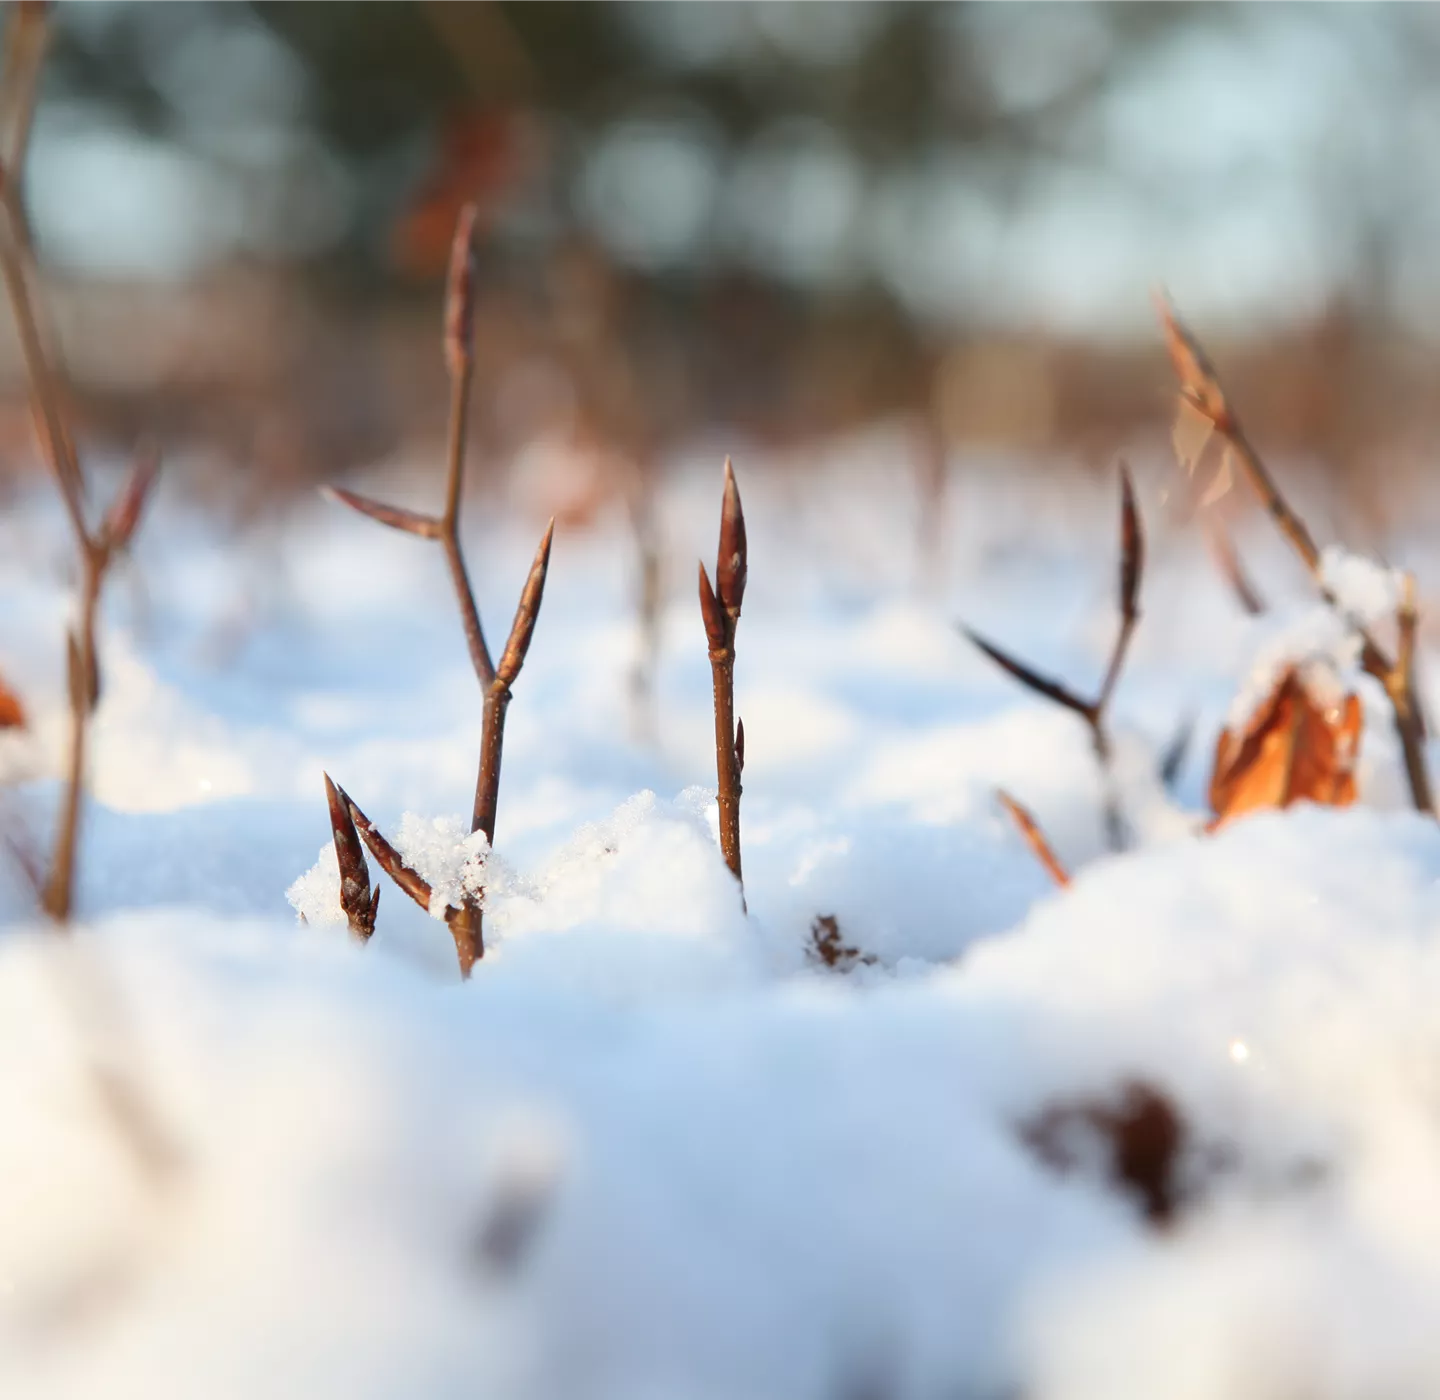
464	922
1201	393
720	609
1034	837
495	682
1093	712
97	548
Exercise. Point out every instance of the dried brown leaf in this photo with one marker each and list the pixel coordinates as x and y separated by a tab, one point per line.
1291	750
12	712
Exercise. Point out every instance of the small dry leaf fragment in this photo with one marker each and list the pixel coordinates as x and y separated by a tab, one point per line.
1292	750
827	946
1143	1135
12	712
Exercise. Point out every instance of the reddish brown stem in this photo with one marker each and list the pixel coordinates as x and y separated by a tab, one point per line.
495	684
720	610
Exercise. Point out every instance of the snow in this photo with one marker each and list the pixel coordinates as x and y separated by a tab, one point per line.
652	1148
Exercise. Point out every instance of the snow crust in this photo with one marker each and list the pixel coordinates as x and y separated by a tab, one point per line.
653	1148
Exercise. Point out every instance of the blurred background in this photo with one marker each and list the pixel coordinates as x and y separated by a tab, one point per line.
770	224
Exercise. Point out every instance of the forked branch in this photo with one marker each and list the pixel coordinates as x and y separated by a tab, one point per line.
495	681
720	609
1094	712
97	547
1202	397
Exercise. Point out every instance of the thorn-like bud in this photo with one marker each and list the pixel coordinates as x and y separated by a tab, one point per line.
1033	680
716	627
526	615
740	744
731	562
355	896
412	522
1132	548
460	293
124	512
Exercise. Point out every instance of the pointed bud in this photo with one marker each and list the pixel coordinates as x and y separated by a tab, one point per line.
716	624
124	513
355	896
526	615
731	563
740	744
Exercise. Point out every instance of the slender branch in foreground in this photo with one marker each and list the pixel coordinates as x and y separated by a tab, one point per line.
495	682
1034	838
1093	712
96	548
720	609
1202	396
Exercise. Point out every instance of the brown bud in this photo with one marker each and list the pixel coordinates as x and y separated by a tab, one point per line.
355	895
731	560
717	630
527	613
124	513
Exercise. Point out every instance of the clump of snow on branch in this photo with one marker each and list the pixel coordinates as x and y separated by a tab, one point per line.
315	895
1322	644
1364	591
448	856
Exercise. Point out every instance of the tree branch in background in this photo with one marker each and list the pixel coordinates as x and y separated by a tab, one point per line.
97	549
495	682
720	609
1204	400
1093	712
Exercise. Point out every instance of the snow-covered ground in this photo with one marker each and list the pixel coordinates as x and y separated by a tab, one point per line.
652	1149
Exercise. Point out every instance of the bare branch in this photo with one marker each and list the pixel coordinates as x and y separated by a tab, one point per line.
1033	680
411	522
1034	838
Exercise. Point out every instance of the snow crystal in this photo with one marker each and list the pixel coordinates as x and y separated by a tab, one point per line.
315	896
447	855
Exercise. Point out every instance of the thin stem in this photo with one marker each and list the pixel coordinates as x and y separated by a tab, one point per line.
727	765
492	744
59	889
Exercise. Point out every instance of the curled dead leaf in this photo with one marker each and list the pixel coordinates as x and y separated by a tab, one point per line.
1293	749
12	712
